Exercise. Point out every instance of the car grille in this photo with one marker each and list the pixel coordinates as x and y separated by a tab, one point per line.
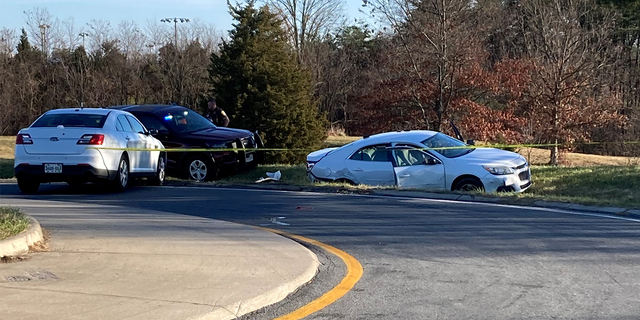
524	175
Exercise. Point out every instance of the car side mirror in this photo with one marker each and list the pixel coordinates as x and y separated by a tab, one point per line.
471	142
153	132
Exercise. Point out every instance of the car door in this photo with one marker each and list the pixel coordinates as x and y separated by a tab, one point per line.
417	169
168	138
147	160
372	166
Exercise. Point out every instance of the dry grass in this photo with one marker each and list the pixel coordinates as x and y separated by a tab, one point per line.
541	157
7	147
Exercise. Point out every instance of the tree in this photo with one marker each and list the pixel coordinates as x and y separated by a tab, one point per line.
256	79
308	21
570	44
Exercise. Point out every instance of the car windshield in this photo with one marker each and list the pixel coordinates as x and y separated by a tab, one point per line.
185	121
71	120
447	146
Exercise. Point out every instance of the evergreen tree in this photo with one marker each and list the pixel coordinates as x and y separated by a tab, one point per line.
257	81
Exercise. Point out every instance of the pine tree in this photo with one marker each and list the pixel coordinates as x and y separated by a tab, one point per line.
257	81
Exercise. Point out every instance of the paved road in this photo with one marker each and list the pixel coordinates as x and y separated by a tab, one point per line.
428	259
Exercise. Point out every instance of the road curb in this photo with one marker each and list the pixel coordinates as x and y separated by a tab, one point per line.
20	243
276	295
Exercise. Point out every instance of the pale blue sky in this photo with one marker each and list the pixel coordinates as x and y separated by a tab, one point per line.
114	11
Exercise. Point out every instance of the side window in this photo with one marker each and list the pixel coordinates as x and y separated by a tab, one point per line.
123	123
412	157
135	124
372	153
151	122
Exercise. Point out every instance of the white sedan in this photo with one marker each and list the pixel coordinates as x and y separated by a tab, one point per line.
422	160
82	145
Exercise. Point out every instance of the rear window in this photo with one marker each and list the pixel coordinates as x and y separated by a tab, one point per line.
71	120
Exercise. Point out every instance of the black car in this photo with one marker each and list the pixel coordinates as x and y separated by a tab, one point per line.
180	127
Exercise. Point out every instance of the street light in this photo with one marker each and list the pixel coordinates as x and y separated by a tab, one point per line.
175	26
83	35
43	37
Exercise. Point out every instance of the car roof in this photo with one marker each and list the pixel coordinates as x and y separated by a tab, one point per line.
415	136
99	111
149	108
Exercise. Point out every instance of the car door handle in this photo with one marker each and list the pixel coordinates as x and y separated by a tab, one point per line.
357	169
404	175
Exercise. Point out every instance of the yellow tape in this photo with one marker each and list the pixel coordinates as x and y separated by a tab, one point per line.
498	146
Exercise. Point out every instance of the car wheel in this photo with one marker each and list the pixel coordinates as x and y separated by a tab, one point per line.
122	175
199	168
469	185
28	186
158	180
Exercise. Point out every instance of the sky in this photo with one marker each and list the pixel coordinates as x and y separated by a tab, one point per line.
209	11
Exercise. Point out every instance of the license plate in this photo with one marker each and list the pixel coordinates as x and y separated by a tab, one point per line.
250	157
53	168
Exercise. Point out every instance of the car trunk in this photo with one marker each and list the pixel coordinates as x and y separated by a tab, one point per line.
58	140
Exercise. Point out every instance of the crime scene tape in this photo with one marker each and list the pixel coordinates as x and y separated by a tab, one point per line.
496	146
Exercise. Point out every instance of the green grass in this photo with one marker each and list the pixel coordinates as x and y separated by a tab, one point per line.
597	185
12	222
291	174
6	168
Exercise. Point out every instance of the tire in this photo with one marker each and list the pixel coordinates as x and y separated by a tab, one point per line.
28	186
121	182
199	168
469	185
161	170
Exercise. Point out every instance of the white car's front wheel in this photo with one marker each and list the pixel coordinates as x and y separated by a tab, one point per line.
469	185
158	179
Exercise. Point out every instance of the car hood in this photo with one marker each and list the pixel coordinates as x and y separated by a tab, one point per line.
219	133
317	155
491	156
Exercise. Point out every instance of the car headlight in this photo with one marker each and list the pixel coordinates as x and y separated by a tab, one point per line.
498	170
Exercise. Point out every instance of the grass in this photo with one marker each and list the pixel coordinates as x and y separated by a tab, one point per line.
12	222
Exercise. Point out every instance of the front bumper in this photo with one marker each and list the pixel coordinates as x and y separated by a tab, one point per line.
515	182
82	173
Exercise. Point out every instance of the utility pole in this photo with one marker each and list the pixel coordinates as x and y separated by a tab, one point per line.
175	27
83	34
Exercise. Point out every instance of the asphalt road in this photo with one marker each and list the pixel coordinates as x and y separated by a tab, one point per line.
427	259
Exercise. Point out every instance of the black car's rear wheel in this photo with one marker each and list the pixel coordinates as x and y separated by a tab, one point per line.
200	168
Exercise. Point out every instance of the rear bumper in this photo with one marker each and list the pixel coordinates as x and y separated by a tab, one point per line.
69	173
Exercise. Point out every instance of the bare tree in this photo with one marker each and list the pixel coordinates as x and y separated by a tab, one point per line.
132	40
8	41
569	42
100	33
307	21
41	27
157	35
435	39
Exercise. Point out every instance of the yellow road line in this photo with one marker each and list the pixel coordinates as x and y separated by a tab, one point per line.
354	273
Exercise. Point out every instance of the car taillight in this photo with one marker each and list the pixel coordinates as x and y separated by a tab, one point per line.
23	138
92	139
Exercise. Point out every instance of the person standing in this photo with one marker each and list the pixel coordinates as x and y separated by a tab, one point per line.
216	115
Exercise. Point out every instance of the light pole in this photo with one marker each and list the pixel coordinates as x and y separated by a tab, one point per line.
43	38
175	27
83	35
